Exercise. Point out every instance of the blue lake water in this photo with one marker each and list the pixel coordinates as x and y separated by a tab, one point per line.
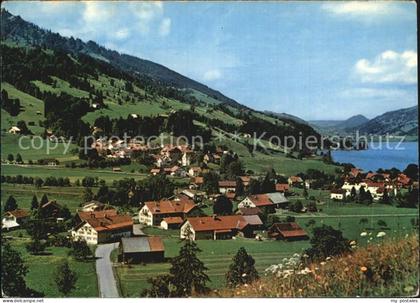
375	158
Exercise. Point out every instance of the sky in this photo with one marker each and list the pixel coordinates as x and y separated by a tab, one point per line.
316	60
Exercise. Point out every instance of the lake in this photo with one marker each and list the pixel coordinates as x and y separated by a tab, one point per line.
397	155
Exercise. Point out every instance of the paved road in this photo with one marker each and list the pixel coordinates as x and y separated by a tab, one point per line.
106	279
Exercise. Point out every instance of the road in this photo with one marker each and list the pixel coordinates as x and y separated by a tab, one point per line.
106	278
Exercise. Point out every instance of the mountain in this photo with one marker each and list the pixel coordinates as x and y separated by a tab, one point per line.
70	87
339	125
399	122
14	28
286	116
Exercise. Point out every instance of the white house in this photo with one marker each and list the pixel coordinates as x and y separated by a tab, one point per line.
186	158
13	219
153	212
337	194
14	130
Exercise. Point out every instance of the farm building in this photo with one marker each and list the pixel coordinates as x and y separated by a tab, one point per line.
171	223
102	226
337	194
153	212
287	231
282	187
220	227
227	186
14	218
249	211
269	201
141	250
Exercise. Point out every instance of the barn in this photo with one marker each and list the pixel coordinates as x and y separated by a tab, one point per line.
141	250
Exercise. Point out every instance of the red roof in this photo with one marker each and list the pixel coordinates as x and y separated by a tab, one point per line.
260	200
280	187
374	184
287	230
227	183
170	207
106	220
173	220
18	213
221	223
155	243
248	211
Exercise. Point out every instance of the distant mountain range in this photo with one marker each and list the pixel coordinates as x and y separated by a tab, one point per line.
399	122
340	125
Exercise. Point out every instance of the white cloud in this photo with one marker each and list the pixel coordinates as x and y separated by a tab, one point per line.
359	8
122	33
165	27
389	67
212	75
96	12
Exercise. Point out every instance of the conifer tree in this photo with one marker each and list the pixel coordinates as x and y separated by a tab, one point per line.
242	270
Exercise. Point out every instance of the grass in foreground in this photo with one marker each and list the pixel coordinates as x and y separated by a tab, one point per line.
386	269
42	269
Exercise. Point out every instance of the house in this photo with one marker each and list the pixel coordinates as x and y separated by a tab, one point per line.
171	223
269	201
93	206
249	211
196	182
295	181
194	171
376	189
153	212
245	180
403	180
287	231
227	186
282	187
102	226
141	250
155	171
14	130
186	158
52	209
173	171
355	172
337	194
220	227
193	194
14	218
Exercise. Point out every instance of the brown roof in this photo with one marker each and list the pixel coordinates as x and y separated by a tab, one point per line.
295	179
227	183
260	200
170	207
245	179
248	211
18	213
173	220
96	214
338	191
218	223
230	195
109	223
156	243
51	204
197	180
282	187
287	230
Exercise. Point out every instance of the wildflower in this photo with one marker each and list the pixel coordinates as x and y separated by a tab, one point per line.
364	234
328	258
381	234
322	263
363	268
352	243
243	275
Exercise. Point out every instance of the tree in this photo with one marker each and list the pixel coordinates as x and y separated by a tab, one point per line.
242	270
19	158
240	188
10	204
13	272
412	171
296	207
44	200
188	271
34	203
210	183
10	158
38	182
254	187
80	250
87	195
327	241
353	193
65	278
160	287
268	185
312	206
36	247
234	169
305	192
222	206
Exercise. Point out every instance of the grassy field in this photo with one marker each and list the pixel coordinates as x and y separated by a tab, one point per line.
69	196
216	255
42	269
10	145
29	108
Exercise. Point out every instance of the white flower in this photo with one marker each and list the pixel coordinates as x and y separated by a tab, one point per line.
363	234
381	234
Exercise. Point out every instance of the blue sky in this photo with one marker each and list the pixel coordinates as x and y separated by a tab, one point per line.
316	60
